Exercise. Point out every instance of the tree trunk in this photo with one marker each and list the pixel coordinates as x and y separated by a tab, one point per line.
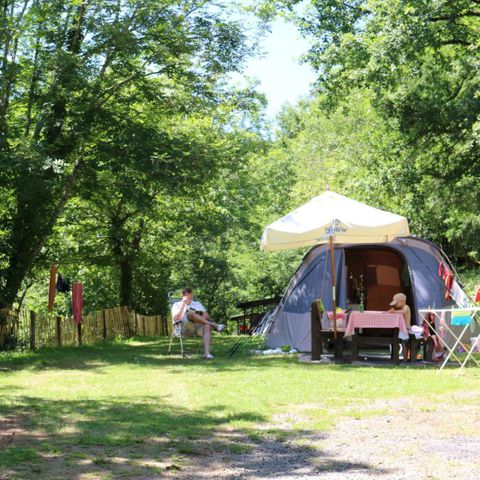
4	313
29	239
126	282
125	252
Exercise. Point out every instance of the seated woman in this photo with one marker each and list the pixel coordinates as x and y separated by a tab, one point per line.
435	349
399	305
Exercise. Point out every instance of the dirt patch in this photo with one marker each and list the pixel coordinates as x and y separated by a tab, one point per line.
8	430
413	441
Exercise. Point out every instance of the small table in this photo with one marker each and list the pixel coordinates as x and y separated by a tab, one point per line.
375	320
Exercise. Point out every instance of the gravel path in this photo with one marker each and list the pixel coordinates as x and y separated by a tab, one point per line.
433	442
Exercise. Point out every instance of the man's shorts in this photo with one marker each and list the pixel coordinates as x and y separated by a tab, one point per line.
190	329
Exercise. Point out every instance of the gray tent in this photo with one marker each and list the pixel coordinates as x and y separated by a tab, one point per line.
406	264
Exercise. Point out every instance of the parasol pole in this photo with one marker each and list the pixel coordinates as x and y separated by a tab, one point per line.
334	298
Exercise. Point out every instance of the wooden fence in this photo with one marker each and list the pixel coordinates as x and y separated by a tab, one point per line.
37	331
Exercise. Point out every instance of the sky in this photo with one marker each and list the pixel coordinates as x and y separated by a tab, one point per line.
282	78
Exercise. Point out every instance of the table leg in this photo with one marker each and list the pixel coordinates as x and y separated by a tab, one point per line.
406	350
428	348
316	329
395	347
415	344
339	346
355	346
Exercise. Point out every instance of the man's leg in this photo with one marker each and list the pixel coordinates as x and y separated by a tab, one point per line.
196	318
207	339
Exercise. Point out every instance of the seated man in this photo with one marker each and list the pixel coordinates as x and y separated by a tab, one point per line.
195	320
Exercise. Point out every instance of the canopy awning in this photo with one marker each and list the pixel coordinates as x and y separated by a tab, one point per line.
335	216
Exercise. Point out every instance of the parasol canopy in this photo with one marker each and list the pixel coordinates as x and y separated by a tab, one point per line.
333	217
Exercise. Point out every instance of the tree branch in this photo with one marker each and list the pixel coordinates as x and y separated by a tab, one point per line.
110	91
21	14
457	90
67	191
138	235
454	16
454	41
76	37
31	90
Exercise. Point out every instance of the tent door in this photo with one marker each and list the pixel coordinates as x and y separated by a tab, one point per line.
384	273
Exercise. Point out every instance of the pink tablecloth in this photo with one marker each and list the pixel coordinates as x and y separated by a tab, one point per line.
370	319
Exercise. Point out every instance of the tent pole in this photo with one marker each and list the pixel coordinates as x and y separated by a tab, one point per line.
334	298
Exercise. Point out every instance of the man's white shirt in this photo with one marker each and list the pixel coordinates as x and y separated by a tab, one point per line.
177	306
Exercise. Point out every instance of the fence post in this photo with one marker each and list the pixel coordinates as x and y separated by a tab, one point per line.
104	333
59	331
143	323
33	317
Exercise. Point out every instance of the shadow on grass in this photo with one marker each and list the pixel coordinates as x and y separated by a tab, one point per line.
78	437
153	353
116	438
140	351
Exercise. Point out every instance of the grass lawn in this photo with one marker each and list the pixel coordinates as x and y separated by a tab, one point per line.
127	410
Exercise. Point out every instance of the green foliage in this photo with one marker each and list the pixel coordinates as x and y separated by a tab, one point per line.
114	114
83	81
128	159
397	111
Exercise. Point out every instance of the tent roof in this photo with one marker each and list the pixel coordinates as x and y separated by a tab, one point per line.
333	215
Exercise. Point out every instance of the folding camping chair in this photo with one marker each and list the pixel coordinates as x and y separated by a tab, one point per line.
176	328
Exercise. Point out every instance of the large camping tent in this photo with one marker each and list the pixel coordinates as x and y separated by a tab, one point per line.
369	243
406	264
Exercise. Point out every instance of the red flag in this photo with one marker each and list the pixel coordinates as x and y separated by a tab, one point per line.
51	288
477	296
77	302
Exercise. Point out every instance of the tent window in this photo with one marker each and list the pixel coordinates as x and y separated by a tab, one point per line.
387	275
372	276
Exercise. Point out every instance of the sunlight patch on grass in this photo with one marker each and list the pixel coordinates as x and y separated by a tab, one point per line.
360	414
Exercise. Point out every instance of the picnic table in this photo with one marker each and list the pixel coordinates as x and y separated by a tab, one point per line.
253	312
385	329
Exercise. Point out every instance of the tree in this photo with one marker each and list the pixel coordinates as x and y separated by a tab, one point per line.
65	65
418	62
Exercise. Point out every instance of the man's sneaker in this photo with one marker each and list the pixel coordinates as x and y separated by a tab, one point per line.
221	327
209	357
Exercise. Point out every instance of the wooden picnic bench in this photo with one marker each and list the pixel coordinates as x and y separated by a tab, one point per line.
253	312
